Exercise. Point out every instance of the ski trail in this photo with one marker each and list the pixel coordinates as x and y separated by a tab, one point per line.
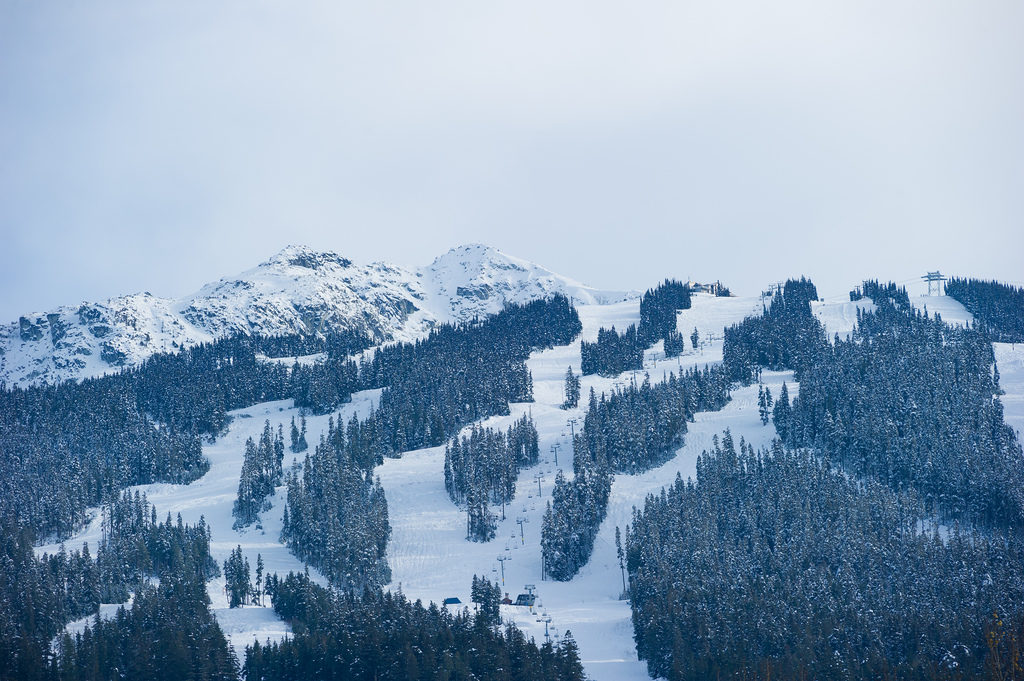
431	560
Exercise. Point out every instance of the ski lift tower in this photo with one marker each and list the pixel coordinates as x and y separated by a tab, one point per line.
546	619
936	280
531	589
501	559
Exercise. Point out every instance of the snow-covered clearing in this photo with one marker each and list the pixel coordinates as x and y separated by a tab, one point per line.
301	360
840	317
1010	362
107	612
950	309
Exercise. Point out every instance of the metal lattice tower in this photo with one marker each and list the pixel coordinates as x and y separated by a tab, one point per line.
936	280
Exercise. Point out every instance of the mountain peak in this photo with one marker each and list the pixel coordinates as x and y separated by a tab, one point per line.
298	290
474	280
300	255
474	251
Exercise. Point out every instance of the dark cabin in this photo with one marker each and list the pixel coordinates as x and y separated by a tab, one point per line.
525	600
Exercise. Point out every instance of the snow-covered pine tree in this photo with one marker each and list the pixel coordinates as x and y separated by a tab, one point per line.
572	390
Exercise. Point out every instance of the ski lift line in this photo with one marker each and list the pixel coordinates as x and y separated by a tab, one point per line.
845	296
916	279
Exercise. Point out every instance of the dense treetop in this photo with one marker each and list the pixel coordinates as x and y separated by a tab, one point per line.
999	308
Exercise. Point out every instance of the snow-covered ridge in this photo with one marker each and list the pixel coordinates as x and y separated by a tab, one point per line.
476	280
298	290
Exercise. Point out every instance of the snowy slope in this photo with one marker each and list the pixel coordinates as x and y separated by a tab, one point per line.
212	496
431	559
301	290
840	316
951	310
428	553
298	290
1010	363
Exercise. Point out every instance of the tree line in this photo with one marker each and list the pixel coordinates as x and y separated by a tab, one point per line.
168	634
614	353
878	292
136	547
786	336
998	307
238	580
460	374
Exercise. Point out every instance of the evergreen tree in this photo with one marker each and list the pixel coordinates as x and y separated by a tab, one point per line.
572	390
782	413
258	589
487	596
480	523
237	581
303	445
569	656
764	403
620	555
674	344
294	437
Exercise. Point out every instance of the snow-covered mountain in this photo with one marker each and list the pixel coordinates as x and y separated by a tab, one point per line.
299	290
476	280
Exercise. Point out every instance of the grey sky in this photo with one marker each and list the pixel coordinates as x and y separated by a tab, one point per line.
158	145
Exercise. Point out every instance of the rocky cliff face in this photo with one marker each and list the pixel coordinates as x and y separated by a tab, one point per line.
298	290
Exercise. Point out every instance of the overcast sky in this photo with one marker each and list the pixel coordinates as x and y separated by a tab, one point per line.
159	145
